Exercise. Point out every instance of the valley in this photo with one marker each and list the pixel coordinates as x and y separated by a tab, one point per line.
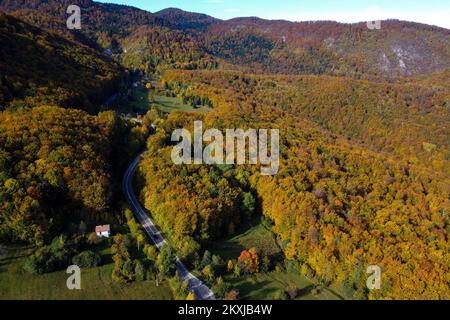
363	177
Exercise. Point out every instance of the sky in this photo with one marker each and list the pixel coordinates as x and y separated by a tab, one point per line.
433	12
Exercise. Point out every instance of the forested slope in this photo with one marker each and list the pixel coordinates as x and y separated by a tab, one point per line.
337	204
38	67
54	171
364	118
399	49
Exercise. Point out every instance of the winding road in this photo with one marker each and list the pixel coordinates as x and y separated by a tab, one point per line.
202	292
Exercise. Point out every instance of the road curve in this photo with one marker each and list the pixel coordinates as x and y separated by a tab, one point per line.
202	292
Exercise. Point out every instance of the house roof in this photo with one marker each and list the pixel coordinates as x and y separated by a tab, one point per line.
100	229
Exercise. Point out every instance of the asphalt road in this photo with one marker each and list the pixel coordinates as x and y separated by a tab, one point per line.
202	292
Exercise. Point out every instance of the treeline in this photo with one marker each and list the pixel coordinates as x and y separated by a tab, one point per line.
338	205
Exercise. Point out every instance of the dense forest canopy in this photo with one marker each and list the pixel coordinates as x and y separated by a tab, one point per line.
38	67
337	203
54	171
154	50
55	148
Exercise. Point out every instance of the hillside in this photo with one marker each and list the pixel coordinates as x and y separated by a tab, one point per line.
155	49
337	204
39	67
364	120
54	171
179	19
399	49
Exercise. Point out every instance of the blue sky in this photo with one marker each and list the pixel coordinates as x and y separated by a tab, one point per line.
436	12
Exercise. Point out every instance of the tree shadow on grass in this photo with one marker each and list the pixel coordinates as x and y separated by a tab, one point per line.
246	289
305	291
232	246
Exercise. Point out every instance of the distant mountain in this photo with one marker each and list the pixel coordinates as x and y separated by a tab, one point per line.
100	22
180	19
399	49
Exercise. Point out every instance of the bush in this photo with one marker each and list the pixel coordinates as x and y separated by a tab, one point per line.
87	259
221	289
292	266
139	270
128	271
265	264
281	295
93	239
232	295
34	265
56	256
316	291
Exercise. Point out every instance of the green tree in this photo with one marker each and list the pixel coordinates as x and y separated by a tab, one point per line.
139	270
166	261
87	259
248	205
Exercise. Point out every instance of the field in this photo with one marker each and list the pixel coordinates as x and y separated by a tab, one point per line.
141	103
253	235
264	286
96	284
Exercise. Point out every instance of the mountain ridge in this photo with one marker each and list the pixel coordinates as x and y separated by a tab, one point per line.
256	45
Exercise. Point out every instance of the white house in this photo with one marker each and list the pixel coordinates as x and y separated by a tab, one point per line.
103	231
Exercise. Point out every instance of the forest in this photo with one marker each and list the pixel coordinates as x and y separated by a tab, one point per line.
38	67
400	50
343	199
54	172
364	122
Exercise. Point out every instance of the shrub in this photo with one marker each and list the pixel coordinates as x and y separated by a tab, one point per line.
34	265
87	259
232	295
139	270
281	295
56	256
93	239
221	289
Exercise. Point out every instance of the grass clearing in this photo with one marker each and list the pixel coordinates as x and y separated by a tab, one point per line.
140	102
171	104
264	286
254	236
96	283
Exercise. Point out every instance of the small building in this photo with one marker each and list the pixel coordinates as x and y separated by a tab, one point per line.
103	231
